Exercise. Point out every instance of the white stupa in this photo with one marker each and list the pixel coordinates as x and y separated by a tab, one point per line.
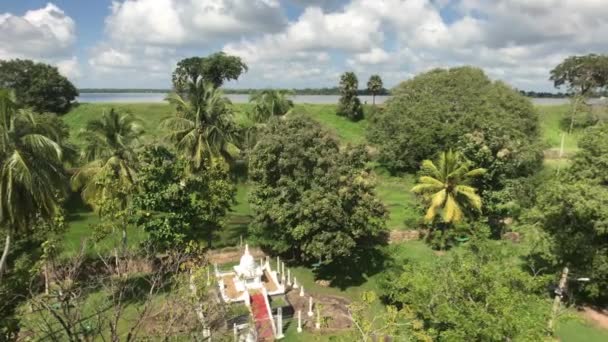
248	275
248	270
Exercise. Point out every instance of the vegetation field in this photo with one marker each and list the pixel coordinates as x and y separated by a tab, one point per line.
393	191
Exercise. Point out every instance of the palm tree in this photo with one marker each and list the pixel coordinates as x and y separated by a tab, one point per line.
268	103
31	173
203	127
374	86
108	151
446	187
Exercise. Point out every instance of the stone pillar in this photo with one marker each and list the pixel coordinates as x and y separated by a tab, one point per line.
295	283
279	334
283	267
208	277
236	333
278	267
288	277
302	291
318	322
310	307
299	321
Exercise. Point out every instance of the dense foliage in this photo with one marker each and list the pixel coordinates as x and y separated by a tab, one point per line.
175	207
311	200
476	293
573	210
582	74
37	85
349	104
268	103
436	110
215	69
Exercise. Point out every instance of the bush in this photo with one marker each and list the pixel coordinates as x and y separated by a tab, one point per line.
38	85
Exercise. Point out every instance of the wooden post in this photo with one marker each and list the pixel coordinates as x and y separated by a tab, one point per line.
558	298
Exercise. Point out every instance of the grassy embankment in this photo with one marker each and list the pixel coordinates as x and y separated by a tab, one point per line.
394	191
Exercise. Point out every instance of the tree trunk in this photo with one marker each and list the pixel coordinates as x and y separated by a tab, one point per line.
374	99
7	244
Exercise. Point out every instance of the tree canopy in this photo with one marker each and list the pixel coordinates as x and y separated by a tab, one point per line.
582	74
311	200
441	109
374	86
37	85
477	293
174	206
216	69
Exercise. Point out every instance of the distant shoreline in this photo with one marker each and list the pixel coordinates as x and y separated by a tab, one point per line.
307	91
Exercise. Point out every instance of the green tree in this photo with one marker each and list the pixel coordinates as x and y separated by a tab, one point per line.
476	293
268	103
582	74
437	110
203	126
215	69
31	173
349	104
446	188
311	200
175	207
374	86
37	85
110	170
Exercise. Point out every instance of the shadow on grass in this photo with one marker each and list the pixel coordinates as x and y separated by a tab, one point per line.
355	270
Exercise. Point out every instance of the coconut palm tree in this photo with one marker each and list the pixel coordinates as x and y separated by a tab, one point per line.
374	86
31	172
446	186
108	152
202	127
268	103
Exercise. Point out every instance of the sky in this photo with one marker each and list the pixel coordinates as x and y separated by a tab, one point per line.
302	43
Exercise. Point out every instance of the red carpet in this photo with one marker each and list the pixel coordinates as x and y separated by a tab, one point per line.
262	318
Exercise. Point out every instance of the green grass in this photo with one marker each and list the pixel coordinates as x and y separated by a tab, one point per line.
399	200
550	117
345	130
575	330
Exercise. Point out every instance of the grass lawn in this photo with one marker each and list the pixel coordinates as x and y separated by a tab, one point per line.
575	330
550	117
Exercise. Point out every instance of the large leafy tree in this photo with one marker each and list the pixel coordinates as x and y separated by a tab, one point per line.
312	200
175	207
109	174
446	188
477	293
37	85
203	126
437	110
31	171
582	74
374	86
215	69
349	104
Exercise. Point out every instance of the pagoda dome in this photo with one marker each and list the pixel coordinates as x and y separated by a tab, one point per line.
247	264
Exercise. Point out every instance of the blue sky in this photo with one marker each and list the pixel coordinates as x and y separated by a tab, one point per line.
302	43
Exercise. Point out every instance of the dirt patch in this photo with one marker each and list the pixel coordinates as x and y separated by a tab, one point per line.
397	236
553	153
334	312
598	316
232	254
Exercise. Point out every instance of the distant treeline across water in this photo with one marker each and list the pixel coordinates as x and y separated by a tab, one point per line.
306	91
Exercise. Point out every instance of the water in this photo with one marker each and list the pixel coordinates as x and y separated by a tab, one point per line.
242	98
235	98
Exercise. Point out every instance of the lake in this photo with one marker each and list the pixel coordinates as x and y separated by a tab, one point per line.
242	98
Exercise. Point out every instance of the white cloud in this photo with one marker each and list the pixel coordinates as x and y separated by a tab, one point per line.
46	34
43	33
374	56
179	22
